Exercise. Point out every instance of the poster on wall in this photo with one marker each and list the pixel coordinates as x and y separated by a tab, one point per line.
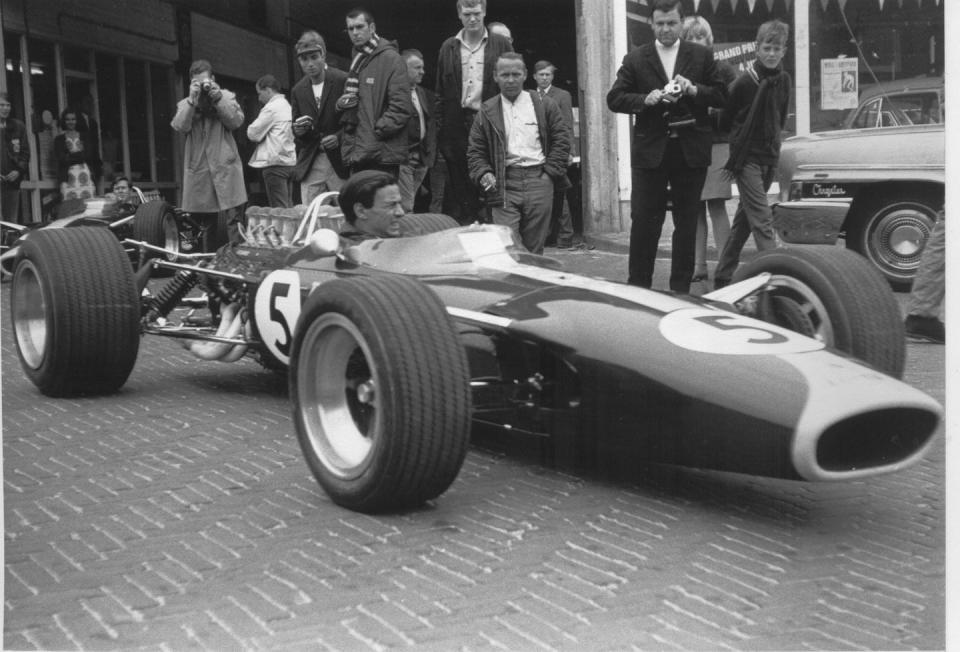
839	83
738	55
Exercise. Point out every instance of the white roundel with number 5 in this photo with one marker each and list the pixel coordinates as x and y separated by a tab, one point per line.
727	333
276	310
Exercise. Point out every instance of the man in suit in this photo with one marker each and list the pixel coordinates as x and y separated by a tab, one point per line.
474	50
561	224
672	139
316	126
422	129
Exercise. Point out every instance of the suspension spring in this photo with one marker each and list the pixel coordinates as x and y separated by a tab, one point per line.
170	294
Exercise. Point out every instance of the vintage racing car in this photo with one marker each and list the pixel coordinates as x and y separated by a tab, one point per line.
394	346
155	222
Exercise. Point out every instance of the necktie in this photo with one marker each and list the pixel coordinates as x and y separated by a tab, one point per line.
542	93
416	105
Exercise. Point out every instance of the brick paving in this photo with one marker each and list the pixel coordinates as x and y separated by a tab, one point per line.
178	514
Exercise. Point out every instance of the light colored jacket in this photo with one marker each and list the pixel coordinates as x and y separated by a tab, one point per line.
212	169
273	133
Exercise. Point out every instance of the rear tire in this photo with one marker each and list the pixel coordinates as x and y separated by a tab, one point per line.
156	223
380	387
424	223
75	311
833	295
892	231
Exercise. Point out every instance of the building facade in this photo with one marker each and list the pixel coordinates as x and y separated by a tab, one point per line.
127	61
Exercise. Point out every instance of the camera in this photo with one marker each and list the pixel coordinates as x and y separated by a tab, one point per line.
672	88
206	86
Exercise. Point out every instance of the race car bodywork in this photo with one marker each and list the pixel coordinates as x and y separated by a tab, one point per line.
394	346
155	222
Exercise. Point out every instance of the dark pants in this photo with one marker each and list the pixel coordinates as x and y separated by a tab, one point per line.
464	199
10	204
393	170
648	204
278	184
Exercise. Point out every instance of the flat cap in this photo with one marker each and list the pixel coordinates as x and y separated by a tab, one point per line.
310	42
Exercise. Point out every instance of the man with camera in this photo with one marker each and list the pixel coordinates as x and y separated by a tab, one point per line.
668	85
212	169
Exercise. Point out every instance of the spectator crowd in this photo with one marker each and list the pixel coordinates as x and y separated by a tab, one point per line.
479	146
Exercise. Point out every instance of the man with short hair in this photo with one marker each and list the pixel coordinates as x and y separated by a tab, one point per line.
672	139
275	155
375	105
465	79
518	152
316	123
370	201
422	130
14	160
561	223
212	169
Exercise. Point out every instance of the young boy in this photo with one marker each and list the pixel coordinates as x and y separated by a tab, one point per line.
755	114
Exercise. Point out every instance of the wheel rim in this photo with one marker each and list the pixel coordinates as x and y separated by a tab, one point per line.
798	303
896	239
29	304
171	236
338	395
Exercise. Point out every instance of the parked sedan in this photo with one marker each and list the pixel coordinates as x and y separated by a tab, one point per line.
913	101
879	189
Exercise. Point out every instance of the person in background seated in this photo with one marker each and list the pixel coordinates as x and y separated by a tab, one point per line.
121	190
372	206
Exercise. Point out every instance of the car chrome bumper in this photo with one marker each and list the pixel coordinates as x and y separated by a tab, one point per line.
809	221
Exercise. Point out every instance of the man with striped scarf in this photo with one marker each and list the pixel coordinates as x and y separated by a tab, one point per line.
375	106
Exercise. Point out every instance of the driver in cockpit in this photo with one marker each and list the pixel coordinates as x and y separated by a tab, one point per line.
370	201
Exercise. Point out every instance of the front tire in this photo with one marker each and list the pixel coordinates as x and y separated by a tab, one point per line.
835	296
75	311
380	387
891	232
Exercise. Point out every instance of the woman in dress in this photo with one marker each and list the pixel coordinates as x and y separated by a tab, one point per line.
76	157
717	187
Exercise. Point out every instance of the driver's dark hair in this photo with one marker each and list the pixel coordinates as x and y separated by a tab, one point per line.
362	187
666	6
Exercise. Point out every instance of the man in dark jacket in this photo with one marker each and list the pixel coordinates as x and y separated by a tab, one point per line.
422	132
14	159
672	139
459	99
375	105
518	151
316	123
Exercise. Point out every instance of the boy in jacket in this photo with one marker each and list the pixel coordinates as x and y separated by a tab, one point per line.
755	114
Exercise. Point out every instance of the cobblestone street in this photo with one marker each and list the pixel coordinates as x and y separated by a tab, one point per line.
179	514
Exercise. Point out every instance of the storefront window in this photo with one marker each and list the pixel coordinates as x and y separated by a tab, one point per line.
163	106
45	110
109	90
137	121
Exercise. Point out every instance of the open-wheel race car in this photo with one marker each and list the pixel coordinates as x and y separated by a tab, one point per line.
170	230
394	346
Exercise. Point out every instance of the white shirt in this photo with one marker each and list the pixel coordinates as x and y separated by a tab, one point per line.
668	56
317	93
523	134
471	65
419	109
273	133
